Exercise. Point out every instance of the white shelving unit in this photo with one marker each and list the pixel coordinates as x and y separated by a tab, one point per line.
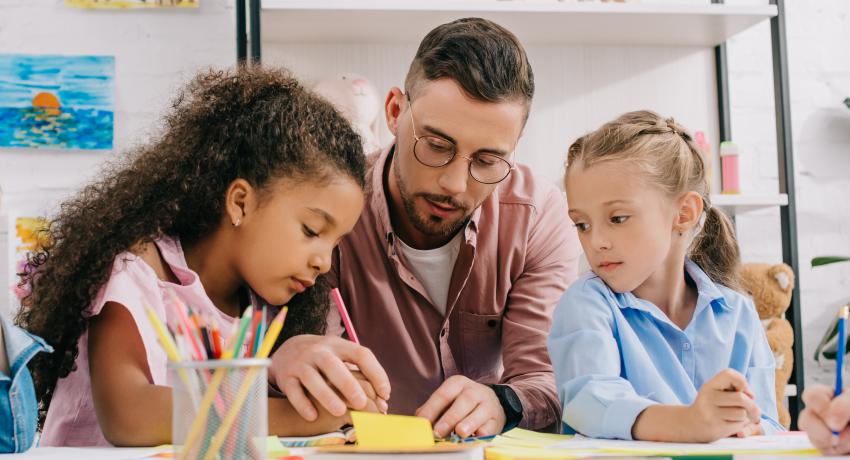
552	22
606	47
737	204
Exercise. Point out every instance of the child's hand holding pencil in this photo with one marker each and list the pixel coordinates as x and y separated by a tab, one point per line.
725	406
319	368
826	417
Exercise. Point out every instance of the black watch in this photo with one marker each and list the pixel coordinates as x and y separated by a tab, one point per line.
510	404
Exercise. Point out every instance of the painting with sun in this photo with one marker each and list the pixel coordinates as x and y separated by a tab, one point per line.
63	102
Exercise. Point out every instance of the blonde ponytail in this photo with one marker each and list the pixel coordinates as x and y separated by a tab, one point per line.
715	250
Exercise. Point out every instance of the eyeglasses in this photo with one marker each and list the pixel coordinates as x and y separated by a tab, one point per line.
436	152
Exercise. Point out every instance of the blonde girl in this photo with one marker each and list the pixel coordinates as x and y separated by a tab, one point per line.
656	342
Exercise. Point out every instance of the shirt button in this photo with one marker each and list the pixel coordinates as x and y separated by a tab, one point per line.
492	323
686	346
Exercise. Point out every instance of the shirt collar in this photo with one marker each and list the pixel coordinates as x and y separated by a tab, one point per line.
18	341
707	289
707	293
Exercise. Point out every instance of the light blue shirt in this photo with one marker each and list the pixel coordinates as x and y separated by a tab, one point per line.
615	354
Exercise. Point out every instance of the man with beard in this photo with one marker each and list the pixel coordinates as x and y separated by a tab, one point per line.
453	270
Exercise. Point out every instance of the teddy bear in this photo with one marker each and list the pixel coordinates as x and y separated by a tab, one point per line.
357	99
770	287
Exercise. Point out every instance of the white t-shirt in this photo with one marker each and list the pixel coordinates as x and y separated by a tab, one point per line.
433	268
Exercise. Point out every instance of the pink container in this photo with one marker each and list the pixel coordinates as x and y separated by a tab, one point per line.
730	184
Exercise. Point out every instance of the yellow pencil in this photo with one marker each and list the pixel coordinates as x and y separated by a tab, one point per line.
164	337
212	389
265	348
274	330
171	351
204	407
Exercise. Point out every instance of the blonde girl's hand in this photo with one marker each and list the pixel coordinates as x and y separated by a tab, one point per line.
753	429
723	407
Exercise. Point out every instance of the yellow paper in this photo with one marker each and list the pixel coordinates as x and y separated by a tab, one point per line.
380	431
782	444
274	448
518	437
528	453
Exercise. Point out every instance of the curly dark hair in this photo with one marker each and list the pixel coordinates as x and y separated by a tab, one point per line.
257	124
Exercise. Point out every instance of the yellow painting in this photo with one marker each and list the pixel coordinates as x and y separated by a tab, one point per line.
30	234
113	4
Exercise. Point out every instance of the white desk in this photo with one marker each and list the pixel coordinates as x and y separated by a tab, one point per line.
67	453
72	453
54	453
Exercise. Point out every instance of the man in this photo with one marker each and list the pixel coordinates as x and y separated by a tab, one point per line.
453	270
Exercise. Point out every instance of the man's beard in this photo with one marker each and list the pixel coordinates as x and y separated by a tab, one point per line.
431	225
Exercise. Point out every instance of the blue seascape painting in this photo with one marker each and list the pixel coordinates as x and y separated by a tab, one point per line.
56	102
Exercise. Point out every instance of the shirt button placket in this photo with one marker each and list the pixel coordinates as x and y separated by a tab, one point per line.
688	358
446	358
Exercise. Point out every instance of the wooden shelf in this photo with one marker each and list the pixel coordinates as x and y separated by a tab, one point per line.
737	204
534	22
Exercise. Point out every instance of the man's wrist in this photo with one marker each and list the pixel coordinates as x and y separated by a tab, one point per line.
511	405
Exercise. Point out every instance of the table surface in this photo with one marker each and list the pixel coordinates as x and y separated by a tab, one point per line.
70	453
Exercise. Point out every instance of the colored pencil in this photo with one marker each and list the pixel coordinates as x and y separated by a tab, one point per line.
343	313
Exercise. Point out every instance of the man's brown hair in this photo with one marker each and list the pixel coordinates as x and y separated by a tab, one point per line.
484	58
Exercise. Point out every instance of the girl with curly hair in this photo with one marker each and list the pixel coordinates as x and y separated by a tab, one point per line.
241	200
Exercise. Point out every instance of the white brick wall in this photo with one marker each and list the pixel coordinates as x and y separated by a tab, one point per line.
155	52
819	73
580	87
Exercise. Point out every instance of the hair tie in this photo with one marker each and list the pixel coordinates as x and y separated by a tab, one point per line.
671	125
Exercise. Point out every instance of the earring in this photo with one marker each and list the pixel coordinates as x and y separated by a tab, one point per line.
239	221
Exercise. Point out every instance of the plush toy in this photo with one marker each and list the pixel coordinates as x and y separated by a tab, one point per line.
357	99
770	287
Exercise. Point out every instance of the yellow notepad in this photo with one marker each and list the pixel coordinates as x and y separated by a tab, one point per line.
392	431
394	434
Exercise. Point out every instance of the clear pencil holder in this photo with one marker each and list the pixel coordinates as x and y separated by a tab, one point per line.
220	409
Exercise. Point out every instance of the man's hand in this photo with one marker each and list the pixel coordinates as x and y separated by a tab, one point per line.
466	407
319	365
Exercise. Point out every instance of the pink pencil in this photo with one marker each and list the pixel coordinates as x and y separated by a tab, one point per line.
346	320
